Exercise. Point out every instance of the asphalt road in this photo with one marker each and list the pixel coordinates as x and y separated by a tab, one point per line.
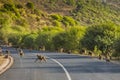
60	66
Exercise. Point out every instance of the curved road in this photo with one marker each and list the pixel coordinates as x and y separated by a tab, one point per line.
60	67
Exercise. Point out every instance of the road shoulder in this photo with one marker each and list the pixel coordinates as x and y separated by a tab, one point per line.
6	65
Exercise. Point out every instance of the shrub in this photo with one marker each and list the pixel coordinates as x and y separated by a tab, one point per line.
9	7
59	40
30	5
56	17
56	23
29	40
37	12
103	36
70	2
19	6
15	38
44	39
69	39
69	20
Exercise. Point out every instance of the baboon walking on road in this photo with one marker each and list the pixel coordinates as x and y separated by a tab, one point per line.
41	58
21	53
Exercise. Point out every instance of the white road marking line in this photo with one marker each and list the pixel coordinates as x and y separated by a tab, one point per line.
66	72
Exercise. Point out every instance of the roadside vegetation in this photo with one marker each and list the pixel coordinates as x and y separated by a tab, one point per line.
73	25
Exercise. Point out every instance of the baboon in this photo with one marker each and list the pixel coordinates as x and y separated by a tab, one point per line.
59	50
7	54
99	57
90	53
83	51
21	53
69	51
41	58
107	60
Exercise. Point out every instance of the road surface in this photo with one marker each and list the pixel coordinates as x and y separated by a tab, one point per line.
60	66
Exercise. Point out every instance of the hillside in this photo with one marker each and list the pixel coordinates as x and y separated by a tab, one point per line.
38	14
62	25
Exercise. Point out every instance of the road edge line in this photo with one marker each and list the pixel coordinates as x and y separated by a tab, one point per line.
65	70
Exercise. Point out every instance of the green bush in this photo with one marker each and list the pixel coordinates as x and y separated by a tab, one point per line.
44	39
67	20
15	39
19	6
4	33
56	17
21	22
56	23
29	41
30	5
117	43
37	12
2	22
69	39
46	35
103	36
59	40
9	7
70	2
5	20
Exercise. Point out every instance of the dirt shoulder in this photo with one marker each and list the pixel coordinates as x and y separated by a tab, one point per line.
2	60
5	63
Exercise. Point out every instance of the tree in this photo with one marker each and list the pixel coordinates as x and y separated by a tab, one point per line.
117	48
69	39
29	40
59	40
103	36
117	43
15	39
